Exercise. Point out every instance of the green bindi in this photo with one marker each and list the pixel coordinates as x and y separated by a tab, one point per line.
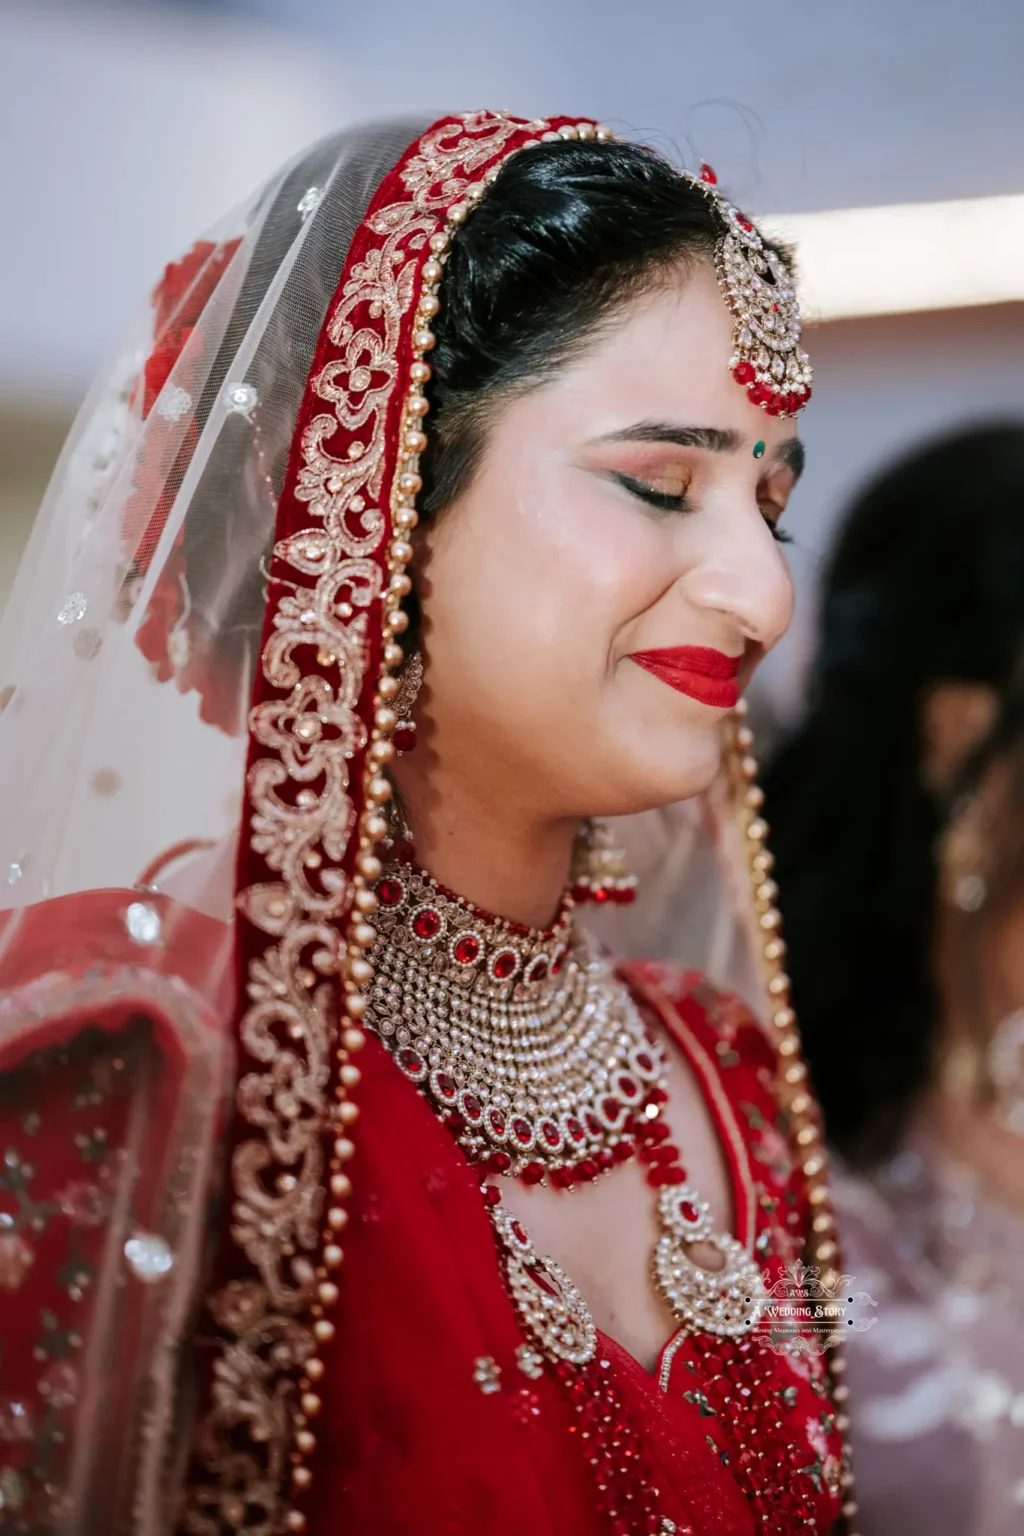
759	449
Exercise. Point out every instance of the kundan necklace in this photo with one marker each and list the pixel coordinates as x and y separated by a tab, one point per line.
532	1052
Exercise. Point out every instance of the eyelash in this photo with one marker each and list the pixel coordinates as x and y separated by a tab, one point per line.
666	503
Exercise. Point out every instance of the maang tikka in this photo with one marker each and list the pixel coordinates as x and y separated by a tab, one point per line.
767	357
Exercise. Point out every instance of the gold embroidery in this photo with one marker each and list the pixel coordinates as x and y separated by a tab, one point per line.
273	1324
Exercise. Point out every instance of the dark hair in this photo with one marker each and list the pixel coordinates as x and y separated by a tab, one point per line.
925	585
567	233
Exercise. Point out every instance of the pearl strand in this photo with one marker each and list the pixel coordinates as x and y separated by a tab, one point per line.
360	935
797	1100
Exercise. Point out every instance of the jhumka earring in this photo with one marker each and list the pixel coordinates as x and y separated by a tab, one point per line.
410	681
600	871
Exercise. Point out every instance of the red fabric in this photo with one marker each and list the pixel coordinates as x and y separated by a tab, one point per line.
92	1103
407	1440
178	300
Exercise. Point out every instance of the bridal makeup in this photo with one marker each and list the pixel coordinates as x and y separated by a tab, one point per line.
709	676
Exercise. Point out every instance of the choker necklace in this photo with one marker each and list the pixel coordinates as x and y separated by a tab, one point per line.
534	1055
523	1040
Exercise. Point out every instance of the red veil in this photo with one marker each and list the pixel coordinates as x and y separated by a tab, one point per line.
230	1289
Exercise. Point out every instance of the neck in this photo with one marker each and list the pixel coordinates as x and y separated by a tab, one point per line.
505	861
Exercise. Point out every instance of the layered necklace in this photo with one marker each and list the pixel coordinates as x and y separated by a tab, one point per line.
535	1057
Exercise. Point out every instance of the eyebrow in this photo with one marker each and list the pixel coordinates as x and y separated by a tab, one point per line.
714	439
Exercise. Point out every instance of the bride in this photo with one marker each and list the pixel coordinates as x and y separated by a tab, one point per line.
350	1184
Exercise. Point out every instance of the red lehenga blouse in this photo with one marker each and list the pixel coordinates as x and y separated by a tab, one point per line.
248	1281
425	1420
411	1442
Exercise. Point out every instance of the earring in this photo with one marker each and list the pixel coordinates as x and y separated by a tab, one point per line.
600	870
410	682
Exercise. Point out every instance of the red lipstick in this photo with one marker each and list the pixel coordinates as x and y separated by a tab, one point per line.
710	677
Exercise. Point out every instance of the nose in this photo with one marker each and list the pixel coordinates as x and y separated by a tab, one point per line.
744	577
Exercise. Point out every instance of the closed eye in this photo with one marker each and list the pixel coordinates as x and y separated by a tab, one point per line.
668	501
665	501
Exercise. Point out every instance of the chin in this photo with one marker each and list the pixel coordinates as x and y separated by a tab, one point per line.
670	766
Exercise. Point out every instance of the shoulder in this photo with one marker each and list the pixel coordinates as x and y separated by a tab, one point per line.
722	1039
722	1021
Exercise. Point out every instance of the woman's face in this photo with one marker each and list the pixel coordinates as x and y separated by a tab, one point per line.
608	582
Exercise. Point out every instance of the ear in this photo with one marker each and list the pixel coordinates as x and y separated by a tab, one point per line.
954	718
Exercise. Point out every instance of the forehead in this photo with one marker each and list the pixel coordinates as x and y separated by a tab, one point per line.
664	357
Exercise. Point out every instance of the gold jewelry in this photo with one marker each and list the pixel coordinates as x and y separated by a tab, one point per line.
533	1053
767	356
410	681
600	870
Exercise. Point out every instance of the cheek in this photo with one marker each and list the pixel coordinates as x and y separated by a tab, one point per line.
557	567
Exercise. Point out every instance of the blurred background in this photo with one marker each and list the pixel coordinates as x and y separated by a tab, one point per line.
126	128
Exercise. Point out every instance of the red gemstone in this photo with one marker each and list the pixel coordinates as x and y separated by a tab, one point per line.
666	1153
522	1130
404	738
538	970
550	1132
410	1061
558	961
575	1129
497	1122
426	923
644	1062
455	1122
504	964
604	1159
445	1085
390	892
491	1195
587	1169
594	1125
657	1096
707	174
689	1211
561	1177
623	1150
519	1232
499	1162
599	895
532	1173
471	1107
744	223
627	1087
466	949
611	1107
744	373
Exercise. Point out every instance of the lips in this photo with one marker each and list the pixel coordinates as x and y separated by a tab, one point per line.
710	677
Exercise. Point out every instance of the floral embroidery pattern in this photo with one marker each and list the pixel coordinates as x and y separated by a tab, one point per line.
55	1227
308	747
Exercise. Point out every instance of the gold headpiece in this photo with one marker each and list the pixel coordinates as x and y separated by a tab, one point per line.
767	358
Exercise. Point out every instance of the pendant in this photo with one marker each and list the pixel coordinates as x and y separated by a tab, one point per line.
727	1302
550	1309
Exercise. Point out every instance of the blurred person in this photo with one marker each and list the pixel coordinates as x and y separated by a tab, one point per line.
438	522
904	947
